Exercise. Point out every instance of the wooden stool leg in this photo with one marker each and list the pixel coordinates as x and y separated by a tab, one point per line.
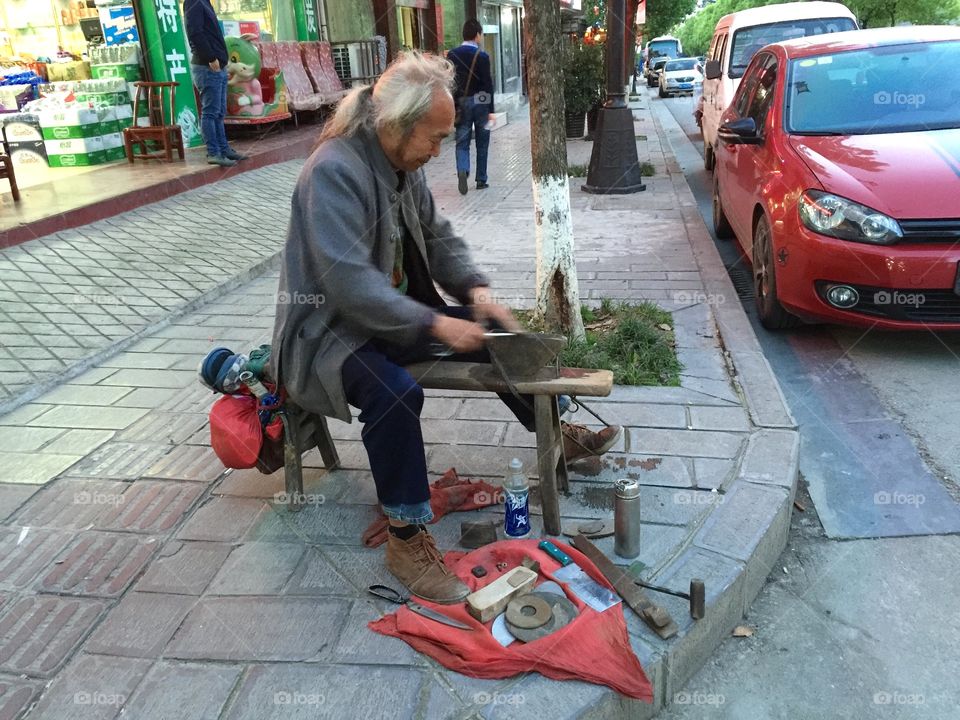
549	445
563	481
292	469
328	451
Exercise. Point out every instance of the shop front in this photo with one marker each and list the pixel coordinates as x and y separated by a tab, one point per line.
503	41
67	68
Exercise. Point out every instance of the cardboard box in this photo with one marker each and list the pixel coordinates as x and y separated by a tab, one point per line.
22	128
115	154
28	154
103	100
112	140
77	159
74	146
125	72
57	72
65	124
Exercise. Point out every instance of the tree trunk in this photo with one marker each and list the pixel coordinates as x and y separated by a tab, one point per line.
558	294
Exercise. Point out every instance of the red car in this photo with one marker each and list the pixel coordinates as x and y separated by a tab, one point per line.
838	168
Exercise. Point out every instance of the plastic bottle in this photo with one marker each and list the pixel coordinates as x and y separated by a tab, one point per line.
517	501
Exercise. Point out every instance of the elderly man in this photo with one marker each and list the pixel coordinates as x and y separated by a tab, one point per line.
365	246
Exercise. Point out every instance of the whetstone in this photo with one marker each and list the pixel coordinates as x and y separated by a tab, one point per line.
488	602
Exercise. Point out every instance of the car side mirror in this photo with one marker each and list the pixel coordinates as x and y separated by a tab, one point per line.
740	132
712	70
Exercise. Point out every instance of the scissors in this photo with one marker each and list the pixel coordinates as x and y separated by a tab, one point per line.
395	596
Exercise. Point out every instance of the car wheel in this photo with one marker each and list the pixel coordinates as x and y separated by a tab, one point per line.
771	312
709	159
721	226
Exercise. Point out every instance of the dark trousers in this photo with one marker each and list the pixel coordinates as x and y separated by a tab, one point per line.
390	401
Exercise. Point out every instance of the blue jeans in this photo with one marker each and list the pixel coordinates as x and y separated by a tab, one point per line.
213	106
390	401
474	118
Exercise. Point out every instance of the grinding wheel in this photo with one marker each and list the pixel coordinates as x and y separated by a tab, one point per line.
528	612
563	611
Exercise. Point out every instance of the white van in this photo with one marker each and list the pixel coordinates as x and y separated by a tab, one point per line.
662	46
737	38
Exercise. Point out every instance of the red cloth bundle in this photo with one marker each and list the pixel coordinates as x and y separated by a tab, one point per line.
594	647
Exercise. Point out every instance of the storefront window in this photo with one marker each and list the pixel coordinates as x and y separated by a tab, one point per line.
42	28
275	17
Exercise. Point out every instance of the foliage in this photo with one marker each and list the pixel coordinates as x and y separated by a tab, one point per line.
696	32
583	76
663	15
577	171
636	342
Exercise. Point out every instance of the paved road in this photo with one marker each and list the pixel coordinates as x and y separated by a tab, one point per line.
846	629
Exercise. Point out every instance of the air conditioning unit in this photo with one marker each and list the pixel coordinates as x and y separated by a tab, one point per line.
356	60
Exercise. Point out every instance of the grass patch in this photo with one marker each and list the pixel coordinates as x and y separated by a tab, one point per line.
577	170
636	342
647	169
640	137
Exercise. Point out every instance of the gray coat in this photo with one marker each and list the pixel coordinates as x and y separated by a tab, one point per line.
335	292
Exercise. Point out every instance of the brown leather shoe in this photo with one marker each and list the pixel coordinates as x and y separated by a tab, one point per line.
580	442
419	565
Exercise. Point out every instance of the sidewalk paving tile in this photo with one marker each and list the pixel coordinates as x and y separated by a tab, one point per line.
125	632
97	395
38	633
94	418
712	473
733	529
259	629
256	568
27	439
276	692
12	497
25	552
330	570
32	469
92	687
184	568
358	645
728	419
164	428
222	519
120	460
194	691
71	504
150	506
15	696
98	564
77	442
187	463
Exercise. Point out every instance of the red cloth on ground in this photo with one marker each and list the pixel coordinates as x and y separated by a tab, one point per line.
448	494
594	647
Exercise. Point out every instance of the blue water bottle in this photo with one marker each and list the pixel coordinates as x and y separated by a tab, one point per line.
517	501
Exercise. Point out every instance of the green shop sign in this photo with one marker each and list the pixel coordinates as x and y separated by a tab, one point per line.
306	12
163	37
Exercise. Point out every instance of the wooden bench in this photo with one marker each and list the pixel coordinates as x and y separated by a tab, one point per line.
304	431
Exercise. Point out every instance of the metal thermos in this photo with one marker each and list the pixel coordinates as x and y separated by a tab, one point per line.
626	518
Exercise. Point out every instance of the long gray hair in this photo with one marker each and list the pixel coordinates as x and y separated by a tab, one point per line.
399	99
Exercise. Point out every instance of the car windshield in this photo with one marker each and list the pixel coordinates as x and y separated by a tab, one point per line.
680	65
749	40
659	62
888	89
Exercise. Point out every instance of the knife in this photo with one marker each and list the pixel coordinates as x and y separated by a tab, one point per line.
436	616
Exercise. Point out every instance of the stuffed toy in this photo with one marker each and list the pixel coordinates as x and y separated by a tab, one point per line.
244	94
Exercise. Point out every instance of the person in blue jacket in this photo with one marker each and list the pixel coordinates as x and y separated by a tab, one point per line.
474	98
208	65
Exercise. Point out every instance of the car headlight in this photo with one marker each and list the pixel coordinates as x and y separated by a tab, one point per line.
844	219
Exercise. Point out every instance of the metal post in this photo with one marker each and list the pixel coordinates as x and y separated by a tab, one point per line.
614	168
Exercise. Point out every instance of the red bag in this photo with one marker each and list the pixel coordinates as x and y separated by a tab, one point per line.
235	432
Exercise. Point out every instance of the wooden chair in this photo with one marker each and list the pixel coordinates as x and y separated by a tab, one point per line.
162	129
6	169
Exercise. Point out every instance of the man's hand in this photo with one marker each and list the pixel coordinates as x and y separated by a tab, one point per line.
215	65
484	308
458	335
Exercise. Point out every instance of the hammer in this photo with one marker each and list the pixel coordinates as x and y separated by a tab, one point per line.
697	595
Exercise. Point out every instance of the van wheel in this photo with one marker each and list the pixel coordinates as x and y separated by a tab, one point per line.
771	312
721	226
708	158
